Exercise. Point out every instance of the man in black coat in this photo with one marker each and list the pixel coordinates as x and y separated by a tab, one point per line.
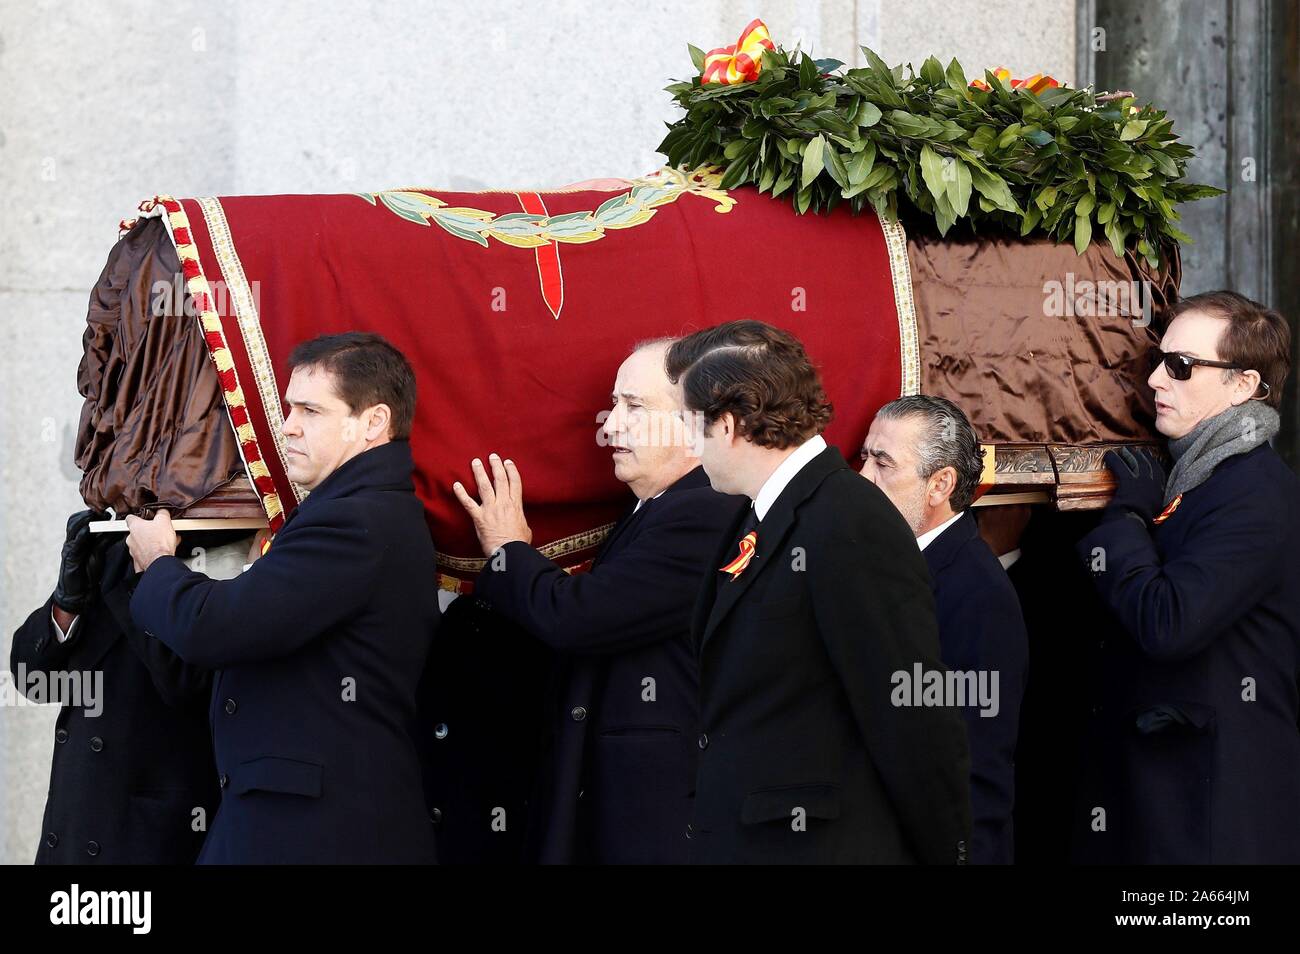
617	784
923	453
320	644
132	779
1195	751
815	620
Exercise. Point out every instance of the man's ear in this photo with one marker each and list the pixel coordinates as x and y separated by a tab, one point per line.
1245	387
941	485
381	418
727	421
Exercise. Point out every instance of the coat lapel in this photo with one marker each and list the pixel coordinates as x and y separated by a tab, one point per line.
945	547
622	532
707	595
607	545
772	534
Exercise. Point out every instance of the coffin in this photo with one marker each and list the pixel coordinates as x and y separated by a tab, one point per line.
516	307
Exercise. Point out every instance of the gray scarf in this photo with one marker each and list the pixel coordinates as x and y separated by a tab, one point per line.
1234	431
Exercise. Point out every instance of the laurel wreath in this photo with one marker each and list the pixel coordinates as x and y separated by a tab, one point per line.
1069	163
528	230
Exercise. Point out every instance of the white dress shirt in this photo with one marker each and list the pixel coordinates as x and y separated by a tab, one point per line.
927	538
640	502
782	476
59	634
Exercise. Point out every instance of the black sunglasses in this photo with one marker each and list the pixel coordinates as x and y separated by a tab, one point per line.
1180	366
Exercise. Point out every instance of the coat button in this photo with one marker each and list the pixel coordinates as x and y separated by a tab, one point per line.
578	713
435	816
92	848
440	731
231	706
61	736
96	744
52	840
223	781
704	741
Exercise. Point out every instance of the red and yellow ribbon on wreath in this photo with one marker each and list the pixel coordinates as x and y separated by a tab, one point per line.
740	62
1035	84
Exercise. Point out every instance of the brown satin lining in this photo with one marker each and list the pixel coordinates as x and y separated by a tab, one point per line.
153	430
1020	374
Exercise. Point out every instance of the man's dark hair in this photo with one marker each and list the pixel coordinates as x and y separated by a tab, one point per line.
367	371
758	373
947	440
1257	337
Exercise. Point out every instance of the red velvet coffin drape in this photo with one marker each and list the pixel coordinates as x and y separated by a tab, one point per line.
516	308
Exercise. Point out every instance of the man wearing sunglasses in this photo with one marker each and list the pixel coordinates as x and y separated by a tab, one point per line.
1194	752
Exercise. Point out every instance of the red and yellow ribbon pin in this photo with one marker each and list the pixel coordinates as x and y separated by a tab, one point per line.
748	544
1168	511
741	62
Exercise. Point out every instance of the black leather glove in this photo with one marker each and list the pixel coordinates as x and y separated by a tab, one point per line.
1139	482
79	564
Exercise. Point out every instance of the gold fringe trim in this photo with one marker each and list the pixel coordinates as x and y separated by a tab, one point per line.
900	270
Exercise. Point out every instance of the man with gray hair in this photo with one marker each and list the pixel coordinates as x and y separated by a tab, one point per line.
923	453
